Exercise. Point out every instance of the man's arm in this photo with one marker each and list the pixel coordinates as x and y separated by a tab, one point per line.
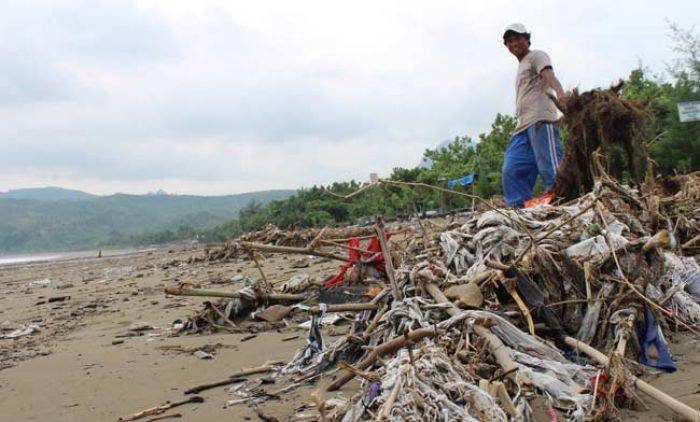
548	75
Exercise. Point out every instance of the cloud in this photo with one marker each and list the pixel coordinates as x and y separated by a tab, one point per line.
221	97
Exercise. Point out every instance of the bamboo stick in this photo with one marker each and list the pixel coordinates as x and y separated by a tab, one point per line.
386	408
672	403
344	307
628	324
291	250
389	347
162	408
508	284
268	287
388	262
223	316
691	242
231	379
272	297
496	346
375	321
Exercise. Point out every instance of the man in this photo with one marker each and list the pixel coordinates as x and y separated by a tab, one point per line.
535	147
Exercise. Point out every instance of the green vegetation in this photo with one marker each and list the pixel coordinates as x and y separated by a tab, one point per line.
677	145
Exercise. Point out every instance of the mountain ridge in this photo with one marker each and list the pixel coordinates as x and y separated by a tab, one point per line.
39	225
47	193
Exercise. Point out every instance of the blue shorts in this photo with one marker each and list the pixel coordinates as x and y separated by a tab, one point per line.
534	151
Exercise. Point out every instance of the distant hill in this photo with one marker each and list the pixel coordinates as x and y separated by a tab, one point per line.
68	223
46	194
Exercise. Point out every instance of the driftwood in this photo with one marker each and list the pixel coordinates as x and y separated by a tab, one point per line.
268	297
383	349
496	346
672	403
222	315
386	407
589	325
233	378
689	244
162	408
627	327
164	417
291	250
498	390
388	263
343	307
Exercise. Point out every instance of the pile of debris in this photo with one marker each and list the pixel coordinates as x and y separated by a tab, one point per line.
495	316
480	318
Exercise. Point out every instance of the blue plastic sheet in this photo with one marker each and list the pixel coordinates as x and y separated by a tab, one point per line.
464	181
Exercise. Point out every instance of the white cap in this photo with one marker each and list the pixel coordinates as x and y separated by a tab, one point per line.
516	27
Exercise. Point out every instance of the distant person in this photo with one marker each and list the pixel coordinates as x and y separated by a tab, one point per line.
535	147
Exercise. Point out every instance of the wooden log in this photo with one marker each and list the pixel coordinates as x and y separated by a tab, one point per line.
627	326
389	403
164	417
235	377
672	403
387	348
291	250
223	316
689	244
388	262
272	297
496	346
162	408
498	391
268	287
369	229
345	307
509	285
343	246
375	321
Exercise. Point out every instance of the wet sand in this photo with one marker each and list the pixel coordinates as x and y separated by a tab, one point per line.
70	370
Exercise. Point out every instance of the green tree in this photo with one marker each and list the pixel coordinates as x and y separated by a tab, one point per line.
676	145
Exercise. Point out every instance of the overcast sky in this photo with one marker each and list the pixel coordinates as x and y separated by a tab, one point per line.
214	97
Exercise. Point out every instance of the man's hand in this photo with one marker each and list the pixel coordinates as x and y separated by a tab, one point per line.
553	82
563	101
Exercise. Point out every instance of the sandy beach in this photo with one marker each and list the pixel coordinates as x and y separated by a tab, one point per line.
78	366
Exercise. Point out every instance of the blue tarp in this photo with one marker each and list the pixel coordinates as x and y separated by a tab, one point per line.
464	181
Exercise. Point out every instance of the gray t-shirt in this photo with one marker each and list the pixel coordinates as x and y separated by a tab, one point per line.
531	102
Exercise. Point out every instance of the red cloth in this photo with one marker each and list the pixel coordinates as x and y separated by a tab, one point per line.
372	249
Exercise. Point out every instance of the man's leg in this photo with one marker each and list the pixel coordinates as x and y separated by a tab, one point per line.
546	145
519	171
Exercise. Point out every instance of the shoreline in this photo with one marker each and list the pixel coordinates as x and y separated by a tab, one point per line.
16	260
